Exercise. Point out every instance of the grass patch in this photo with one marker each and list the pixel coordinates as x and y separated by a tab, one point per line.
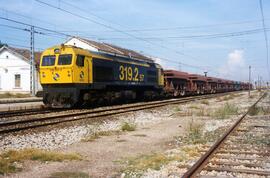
97	135
228	97
202	112
14	95
214	135
69	175
260	139
194	107
136	166
194	134
225	111
259	111
177	109
206	102
9	160
128	127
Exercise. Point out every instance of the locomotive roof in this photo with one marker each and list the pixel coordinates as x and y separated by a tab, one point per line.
115	50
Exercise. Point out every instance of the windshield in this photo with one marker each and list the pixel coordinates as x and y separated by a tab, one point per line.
48	60
65	59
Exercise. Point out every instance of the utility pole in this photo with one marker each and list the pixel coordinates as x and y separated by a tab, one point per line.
258	85
249	78
205	74
32	64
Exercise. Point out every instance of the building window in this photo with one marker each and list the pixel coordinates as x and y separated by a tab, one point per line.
17	80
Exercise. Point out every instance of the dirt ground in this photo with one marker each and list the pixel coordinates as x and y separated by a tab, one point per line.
101	157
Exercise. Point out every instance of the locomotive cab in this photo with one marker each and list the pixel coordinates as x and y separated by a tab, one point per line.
62	68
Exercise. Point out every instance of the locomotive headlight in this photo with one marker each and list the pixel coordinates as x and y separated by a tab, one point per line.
43	74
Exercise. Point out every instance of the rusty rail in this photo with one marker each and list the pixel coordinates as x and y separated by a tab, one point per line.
200	164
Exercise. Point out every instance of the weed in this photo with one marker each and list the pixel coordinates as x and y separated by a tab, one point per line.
136	166
128	126
69	175
99	134
9	160
205	102
230	97
202	112
225	111
194	107
256	110
262	139
212	136
177	109
194	133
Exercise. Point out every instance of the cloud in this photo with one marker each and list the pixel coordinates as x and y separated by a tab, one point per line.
233	68
236	59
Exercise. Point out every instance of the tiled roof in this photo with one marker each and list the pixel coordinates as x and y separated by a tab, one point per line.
109	48
26	53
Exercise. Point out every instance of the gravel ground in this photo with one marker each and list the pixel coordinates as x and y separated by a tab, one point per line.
68	138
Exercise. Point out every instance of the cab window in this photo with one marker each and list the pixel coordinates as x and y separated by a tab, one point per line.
80	60
48	60
65	59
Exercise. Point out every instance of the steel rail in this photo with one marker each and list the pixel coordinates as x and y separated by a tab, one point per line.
202	162
52	120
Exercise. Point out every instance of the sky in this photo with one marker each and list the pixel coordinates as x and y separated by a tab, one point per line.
221	37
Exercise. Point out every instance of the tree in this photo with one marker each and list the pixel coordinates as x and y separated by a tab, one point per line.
2	44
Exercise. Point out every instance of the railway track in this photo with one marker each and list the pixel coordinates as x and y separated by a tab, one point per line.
25	112
243	151
36	121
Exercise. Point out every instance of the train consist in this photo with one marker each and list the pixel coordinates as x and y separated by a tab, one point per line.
71	76
181	83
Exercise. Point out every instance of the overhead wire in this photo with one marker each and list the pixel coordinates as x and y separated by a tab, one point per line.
200	36
265	38
115	29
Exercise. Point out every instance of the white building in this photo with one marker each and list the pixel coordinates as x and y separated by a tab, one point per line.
15	70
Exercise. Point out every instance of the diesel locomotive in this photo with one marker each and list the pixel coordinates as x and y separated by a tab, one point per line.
71	76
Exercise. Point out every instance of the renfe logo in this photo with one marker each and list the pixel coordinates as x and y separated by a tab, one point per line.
56	76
